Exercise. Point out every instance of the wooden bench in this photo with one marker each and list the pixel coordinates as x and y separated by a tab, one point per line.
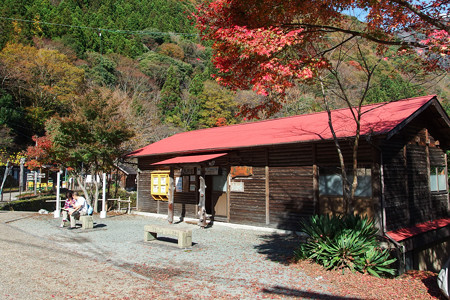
184	235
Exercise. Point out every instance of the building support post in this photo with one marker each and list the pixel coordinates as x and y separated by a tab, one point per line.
267	196
202	203
170	206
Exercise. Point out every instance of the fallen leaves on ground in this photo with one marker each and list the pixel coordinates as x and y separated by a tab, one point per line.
410	285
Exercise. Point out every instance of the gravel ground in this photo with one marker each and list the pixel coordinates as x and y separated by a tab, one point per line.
39	260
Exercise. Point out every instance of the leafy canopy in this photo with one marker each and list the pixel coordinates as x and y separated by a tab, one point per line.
268	45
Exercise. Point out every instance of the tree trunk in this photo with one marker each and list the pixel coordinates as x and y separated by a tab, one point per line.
83	188
345	184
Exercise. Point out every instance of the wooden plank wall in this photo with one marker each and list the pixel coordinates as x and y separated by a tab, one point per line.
290	185
419	197
326	153
395	184
291	195
439	201
248	207
145	200
407	158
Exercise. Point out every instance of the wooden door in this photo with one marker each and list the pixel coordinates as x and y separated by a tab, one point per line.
217	195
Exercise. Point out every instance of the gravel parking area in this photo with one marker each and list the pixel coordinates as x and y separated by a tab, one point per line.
112	261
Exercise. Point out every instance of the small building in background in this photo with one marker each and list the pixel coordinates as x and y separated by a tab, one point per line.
126	176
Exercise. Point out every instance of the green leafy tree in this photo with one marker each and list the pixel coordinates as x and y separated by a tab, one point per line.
172	50
169	104
101	69
392	87
11	119
91	139
44	81
218	106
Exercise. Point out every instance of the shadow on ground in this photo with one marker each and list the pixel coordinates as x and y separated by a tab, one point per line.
279	247
283	291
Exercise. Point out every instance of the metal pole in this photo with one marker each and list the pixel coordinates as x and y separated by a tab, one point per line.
57	212
103	212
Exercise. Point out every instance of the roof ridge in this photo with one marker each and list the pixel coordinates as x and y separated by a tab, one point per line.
307	114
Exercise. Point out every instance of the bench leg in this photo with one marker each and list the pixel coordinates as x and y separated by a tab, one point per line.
184	240
150	236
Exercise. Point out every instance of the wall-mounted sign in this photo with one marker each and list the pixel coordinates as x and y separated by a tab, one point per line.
188	171
160	185
179	184
237	186
241	171
212	171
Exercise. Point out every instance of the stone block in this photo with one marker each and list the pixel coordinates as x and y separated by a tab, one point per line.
87	222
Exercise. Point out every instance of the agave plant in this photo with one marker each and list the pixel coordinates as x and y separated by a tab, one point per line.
344	242
375	262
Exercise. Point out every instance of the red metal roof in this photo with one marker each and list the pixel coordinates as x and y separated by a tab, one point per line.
404	233
189	159
378	118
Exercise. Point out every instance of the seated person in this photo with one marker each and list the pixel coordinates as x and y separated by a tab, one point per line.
68	207
79	209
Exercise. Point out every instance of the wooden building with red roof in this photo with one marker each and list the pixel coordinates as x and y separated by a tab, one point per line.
274	172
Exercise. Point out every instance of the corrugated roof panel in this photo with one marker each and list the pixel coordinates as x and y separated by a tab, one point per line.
377	119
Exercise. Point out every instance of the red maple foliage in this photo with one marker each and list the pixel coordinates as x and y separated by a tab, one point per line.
267	45
40	154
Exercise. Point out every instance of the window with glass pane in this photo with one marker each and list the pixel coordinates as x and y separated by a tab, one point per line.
220	182
330	182
364	188
438	179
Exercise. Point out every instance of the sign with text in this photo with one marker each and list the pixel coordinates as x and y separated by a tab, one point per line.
241	171
212	171
237	186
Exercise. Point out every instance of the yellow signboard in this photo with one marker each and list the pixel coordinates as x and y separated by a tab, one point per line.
160	185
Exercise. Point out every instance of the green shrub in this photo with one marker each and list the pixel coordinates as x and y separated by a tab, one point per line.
344	242
33	204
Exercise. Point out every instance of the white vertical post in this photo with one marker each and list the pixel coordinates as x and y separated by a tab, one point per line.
57	212
103	212
35	182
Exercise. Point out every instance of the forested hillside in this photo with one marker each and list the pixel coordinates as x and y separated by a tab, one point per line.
141	59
